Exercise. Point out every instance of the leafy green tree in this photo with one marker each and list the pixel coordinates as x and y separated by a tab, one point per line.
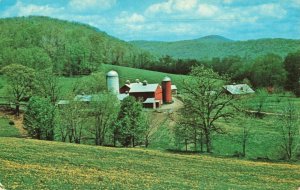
187	130
95	83
203	95
47	85
292	66
130	123
72	121
104	109
21	81
39	117
268	71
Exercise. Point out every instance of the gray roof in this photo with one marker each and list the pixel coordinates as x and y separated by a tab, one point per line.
122	96
238	89
83	98
150	100
139	87
173	87
63	102
112	74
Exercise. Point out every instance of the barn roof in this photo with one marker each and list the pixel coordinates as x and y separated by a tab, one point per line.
238	89
139	87
122	96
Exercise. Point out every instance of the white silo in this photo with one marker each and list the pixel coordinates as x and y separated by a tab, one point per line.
112	82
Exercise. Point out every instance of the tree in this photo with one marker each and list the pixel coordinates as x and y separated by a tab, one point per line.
268	71
292	66
187	130
104	109
130	123
38	118
21	80
92	84
72	121
289	124
47	85
260	101
204	96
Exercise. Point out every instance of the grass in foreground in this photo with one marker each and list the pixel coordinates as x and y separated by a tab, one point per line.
33	164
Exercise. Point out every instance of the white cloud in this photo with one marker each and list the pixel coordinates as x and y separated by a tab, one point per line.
271	10
171	6
125	18
165	7
82	5
185	5
206	10
21	9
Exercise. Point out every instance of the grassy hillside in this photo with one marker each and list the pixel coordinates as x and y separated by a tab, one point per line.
127	73
217	46
32	164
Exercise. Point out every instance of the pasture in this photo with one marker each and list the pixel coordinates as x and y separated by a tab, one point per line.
34	164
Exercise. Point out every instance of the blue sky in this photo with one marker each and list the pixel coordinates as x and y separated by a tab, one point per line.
171	20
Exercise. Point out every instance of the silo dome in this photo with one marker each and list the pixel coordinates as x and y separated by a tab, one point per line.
112	81
166	79
112	74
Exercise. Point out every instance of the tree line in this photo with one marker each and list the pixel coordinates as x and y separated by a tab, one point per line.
269	71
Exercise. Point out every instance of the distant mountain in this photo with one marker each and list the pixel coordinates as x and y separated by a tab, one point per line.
213	38
217	46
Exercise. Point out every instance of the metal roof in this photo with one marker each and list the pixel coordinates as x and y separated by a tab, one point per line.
150	100
173	87
83	98
139	87
239	89
63	102
166	79
122	96
112	74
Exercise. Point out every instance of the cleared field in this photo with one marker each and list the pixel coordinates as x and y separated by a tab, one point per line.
127	73
33	164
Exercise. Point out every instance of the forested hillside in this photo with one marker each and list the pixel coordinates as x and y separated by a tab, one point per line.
70	48
216	46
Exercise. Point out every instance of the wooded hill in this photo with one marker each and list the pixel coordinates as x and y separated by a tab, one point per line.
209	47
70	48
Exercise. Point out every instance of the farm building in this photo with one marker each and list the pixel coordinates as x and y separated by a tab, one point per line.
238	89
174	89
152	95
149	94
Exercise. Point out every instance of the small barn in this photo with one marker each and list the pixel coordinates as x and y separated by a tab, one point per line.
174	89
238	89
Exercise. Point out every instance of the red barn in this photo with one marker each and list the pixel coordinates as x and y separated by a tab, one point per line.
149	94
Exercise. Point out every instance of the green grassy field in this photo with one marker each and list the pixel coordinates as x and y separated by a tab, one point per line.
33	164
7	130
127	73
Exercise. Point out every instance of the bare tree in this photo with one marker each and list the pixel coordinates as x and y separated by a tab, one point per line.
289	124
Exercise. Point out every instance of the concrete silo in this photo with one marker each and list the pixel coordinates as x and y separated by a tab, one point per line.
112	82
167	90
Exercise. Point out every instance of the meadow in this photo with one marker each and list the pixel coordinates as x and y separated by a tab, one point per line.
34	164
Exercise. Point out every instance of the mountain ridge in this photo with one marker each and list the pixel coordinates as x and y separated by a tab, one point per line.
212	46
